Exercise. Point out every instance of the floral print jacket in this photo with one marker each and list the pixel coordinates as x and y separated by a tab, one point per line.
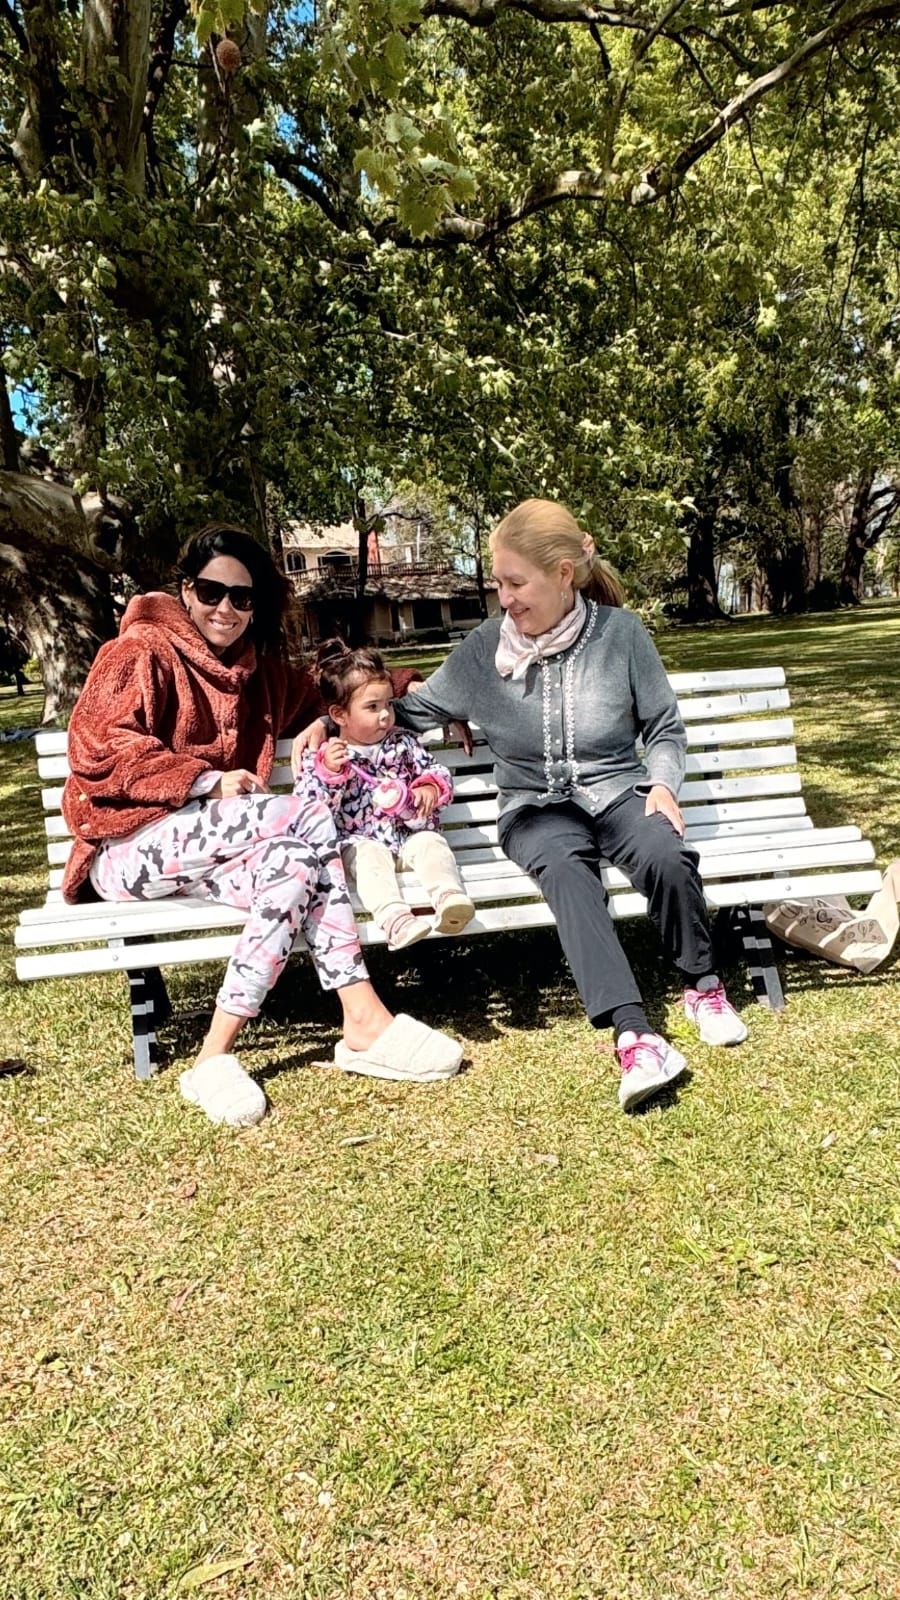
362	798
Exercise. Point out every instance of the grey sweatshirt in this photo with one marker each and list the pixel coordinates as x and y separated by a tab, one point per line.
551	744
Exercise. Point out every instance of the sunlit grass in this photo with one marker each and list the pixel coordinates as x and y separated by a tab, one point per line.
490	1339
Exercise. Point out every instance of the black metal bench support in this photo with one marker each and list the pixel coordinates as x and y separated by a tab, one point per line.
150	1008
749	926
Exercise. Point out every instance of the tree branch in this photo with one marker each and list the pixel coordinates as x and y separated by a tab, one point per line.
603	185
571	185
9	440
484	13
639	50
43	128
296	170
161	49
742	104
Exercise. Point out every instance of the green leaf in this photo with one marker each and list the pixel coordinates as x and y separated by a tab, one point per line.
395	55
401	130
208	1571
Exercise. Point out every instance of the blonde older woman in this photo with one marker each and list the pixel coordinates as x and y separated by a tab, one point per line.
563	688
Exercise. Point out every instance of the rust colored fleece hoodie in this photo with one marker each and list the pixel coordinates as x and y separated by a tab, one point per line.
158	709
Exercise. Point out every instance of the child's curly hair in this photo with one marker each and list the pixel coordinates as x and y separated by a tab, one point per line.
339	671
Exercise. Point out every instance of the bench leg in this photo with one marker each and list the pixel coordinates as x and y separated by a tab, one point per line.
150	1007
749	925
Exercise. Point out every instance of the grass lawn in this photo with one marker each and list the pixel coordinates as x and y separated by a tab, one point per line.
488	1339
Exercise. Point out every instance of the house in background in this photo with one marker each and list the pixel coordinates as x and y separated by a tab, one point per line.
408	596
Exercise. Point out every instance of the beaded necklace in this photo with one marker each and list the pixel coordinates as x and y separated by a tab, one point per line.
564	774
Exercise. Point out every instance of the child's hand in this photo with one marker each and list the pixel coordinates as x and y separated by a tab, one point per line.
334	755
425	798
309	739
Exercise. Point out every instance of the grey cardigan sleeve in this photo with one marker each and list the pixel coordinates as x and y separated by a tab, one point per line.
449	695
662	730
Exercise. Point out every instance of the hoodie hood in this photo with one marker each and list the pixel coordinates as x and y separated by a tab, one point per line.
163	613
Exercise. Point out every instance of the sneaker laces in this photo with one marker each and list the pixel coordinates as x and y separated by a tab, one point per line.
716	999
630	1054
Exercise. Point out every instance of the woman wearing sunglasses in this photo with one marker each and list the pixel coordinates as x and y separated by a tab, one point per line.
171	746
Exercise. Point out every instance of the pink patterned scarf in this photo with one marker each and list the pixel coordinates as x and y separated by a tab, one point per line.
516	651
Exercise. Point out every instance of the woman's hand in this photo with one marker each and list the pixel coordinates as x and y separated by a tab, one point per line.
460	733
661	800
334	755
425	798
310	739
240	781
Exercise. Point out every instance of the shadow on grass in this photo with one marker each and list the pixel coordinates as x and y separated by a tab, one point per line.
515	983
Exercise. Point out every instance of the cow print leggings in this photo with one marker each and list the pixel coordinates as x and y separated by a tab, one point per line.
271	855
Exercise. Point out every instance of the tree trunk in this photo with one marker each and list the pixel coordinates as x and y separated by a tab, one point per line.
479	565
115	48
787	567
60	552
9	442
703	590
65	612
362	525
850	588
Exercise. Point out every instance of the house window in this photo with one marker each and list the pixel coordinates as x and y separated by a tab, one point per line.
335	558
294	561
427	614
465	608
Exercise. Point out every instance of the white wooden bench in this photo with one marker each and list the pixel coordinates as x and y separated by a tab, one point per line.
743	806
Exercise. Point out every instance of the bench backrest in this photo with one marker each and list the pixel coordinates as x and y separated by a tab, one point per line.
741	777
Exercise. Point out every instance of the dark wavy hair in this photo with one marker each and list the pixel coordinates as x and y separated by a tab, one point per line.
339	671
271	590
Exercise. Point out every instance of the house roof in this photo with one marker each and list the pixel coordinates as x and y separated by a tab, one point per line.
310	536
446	585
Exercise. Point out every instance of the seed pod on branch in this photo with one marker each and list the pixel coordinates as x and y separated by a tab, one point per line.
228	56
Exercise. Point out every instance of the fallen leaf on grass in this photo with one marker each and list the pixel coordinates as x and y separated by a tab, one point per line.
828	1141
208	1571
545	1161
894	1261
358	1138
178	1302
187	1191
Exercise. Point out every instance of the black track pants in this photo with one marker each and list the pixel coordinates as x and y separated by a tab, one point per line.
561	846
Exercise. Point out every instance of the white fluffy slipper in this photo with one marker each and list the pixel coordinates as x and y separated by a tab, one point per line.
407	1051
220	1087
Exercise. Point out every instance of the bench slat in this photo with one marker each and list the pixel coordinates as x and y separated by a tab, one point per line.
727	705
485	811
183	952
740	678
52	741
742	731
465	838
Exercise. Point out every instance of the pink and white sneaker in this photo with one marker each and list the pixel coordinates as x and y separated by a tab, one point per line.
709	1007
648	1064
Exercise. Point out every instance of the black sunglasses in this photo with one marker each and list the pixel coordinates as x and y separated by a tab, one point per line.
211	593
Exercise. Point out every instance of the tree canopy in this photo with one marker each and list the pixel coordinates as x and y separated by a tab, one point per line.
258	260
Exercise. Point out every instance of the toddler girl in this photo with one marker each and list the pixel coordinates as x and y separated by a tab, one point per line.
385	792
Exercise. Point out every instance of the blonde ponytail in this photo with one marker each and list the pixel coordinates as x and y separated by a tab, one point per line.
602	582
